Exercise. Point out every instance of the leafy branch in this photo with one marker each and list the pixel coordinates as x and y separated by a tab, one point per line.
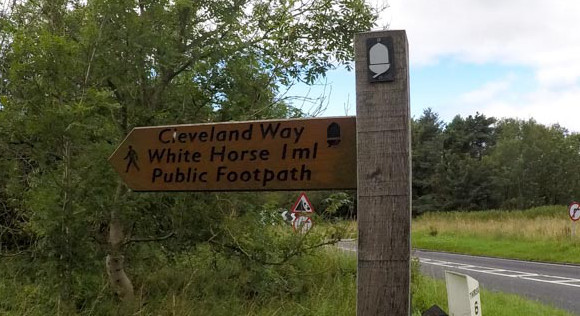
296	251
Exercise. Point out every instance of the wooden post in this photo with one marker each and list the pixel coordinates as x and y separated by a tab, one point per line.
384	174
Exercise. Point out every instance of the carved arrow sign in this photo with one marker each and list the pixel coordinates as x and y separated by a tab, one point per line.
297	154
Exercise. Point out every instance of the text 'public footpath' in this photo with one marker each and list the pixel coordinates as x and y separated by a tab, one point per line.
225	156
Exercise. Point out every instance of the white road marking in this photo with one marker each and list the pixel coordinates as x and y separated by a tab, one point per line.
500	272
506	273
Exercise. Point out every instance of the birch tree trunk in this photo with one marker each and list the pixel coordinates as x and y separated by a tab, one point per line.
114	262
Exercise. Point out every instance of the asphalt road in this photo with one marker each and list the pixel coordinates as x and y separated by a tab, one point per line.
554	284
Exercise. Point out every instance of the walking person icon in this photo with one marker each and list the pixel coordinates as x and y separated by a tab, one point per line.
132	159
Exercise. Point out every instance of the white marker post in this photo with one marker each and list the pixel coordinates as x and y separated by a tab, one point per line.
384	173
462	294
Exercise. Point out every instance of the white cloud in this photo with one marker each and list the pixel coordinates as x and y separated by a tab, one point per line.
488	91
550	107
544	35
547	106
540	35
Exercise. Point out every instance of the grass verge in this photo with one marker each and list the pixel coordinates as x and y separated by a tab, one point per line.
540	234
205	284
492	303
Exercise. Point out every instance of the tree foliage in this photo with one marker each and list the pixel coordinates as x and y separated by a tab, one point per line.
427	144
77	76
478	162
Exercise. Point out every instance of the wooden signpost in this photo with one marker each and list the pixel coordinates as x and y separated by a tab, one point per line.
384	173
304	154
370	153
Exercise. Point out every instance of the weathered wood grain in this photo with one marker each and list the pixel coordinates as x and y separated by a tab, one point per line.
384	183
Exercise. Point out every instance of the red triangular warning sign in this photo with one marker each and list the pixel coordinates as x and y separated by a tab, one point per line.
302	205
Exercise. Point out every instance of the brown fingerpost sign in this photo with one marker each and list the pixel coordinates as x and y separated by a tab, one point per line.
384	173
296	154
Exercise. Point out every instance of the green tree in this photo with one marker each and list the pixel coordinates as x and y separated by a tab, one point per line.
427	153
473	135
80	75
534	164
465	179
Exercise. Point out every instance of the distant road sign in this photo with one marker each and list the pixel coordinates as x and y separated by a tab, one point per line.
302	205
302	224
297	154
287	216
574	210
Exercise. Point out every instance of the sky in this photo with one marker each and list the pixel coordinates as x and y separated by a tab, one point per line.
516	59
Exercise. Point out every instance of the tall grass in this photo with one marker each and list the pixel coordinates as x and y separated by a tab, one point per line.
543	233
321	284
204	283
